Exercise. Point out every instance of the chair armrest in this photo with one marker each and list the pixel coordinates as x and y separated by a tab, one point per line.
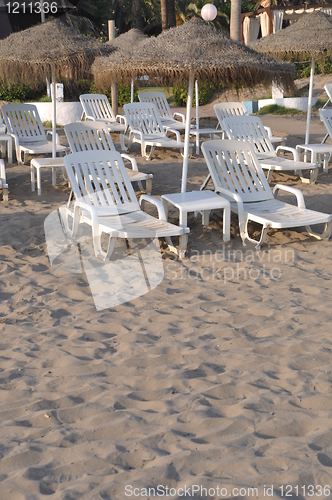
156	203
89	208
132	161
122	119
3	174
289	189
268	131
181	116
294	151
176	132
49	135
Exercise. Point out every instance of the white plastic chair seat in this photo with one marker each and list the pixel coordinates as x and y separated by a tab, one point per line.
42	147
147	129
238	176
95	136
281	215
105	199
96	107
25	127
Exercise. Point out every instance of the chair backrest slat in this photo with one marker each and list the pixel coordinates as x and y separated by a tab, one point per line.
251	129
144	116
160	101
234	166
24	121
87	136
100	179
326	117
97	107
226	109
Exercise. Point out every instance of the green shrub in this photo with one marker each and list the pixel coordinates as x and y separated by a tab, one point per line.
323	65
124	93
274	109
20	93
206	90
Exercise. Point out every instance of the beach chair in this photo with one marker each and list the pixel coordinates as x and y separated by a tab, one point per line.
105	199
238	176
251	129
25	127
225	109
176	121
146	128
96	107
3	183
96	137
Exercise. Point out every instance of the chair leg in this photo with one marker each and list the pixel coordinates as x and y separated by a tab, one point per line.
33	183
38	181
5	194
148	186
111	245
325	234
205	183
312	177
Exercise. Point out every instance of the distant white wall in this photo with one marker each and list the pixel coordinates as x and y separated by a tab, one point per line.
66	112
300	103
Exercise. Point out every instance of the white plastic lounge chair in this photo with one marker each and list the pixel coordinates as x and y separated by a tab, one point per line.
168	119
94	136
105	199
146	128
25	127
2	127
3	183
225	109
238	176
251	129
96	107
6	140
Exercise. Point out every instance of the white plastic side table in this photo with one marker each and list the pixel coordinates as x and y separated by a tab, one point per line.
325	150
7	138
197	201
205	131
38	164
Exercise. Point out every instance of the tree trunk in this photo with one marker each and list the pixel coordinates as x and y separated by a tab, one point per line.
171	19
138	15
164	23
235	24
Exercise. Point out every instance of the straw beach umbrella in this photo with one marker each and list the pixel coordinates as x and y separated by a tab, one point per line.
127	43
192	51
28	56
311	34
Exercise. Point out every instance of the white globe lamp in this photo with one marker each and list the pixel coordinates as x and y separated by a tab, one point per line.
209	12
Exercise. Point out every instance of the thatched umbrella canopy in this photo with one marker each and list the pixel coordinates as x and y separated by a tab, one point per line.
28	56
193	48
197	51
311	34
127	42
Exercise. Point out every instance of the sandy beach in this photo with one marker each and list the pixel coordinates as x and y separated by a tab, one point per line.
220	377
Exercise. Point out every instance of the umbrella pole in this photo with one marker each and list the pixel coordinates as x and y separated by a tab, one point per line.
132	91
187	134
197	104
312	71
54	115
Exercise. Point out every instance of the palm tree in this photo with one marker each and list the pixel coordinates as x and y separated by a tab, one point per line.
235	22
